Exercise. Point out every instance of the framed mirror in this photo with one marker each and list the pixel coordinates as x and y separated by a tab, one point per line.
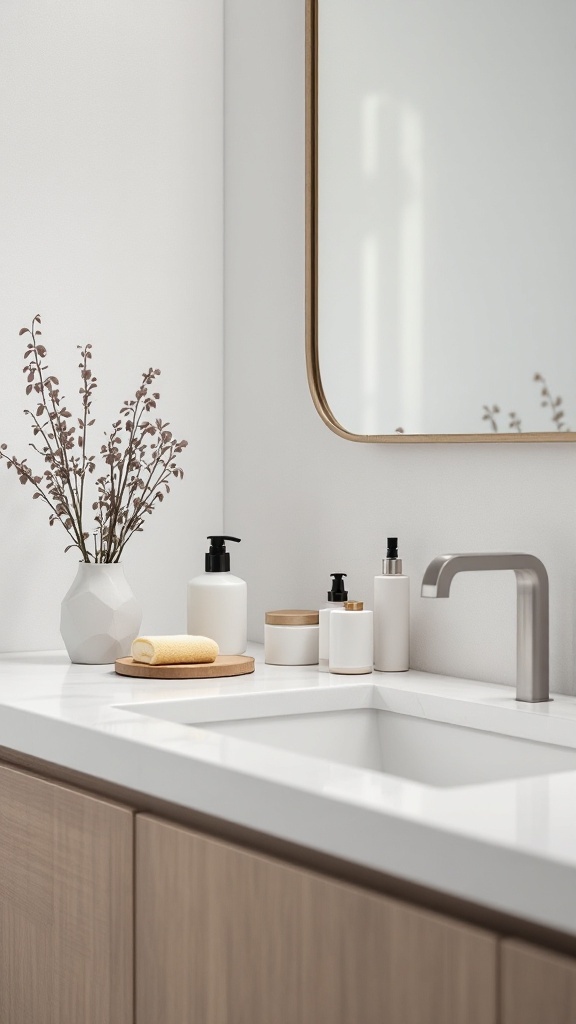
441	219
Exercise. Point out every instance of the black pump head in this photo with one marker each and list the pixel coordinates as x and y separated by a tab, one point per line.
338	594
392	548
218	559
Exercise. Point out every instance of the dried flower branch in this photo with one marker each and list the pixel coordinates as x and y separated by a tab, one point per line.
549	402
490	414
140	454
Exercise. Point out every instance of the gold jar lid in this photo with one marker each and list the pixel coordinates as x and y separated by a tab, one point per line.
354	606
292	617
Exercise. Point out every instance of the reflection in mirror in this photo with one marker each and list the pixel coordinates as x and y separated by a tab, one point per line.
446	216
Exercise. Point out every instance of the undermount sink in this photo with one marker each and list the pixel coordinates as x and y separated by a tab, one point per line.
434	753
363	735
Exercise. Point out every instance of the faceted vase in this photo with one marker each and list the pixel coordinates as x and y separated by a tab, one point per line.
100	615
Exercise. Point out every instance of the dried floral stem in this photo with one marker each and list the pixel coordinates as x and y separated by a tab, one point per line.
133	426
59	434
547	401
138	468
490	414
153	488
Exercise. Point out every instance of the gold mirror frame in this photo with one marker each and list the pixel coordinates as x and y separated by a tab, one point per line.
312	356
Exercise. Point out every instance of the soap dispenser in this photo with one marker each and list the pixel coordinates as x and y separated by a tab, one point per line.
351	639
218	601
337	595
391	614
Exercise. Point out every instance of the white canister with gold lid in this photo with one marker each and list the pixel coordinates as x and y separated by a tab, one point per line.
351	640
291	637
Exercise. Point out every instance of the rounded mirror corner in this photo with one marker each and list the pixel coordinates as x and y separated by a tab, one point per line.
501	426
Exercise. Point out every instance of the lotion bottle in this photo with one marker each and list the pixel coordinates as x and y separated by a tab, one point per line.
391	614
351	639
336	598
218	601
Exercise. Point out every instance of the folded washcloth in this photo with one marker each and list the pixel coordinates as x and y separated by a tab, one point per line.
174	650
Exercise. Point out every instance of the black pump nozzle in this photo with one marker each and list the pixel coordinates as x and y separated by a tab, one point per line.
338	594
218	559
392	548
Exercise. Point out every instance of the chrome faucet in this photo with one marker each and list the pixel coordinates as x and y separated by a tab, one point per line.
532	672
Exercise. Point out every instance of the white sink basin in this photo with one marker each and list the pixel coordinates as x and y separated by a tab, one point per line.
365	736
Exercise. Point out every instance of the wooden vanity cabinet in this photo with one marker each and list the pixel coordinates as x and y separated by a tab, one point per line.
537	986
66	905
228	936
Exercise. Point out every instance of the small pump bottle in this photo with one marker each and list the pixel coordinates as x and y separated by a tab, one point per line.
351	640
391	614
218	601
336	598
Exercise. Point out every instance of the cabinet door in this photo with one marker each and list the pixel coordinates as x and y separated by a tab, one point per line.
226	936
538	987
66	914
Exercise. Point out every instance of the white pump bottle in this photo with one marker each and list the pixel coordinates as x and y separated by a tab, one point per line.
218	601
336	598
392	614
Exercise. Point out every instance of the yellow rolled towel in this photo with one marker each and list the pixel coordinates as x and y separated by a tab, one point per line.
174	650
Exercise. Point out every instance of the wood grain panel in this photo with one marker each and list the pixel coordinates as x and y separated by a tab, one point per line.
538	987
226	936
66	905
354	874
374	959
216	935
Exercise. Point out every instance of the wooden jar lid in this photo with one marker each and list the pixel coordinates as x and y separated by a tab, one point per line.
292	617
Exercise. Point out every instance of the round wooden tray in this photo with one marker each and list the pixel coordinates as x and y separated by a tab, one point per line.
225	665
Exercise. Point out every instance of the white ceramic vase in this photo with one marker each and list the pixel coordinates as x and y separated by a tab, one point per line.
100	615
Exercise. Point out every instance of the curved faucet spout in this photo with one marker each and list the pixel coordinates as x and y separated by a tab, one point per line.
532	642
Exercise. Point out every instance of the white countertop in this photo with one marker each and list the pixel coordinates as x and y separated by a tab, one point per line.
507	845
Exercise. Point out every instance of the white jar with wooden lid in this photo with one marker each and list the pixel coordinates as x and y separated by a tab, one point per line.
291	637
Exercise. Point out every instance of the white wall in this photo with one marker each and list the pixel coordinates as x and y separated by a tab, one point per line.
111	228
307	502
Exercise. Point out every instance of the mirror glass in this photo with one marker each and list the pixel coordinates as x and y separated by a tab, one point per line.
446	215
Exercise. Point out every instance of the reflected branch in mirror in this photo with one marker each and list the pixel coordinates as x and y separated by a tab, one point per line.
490	414
548	401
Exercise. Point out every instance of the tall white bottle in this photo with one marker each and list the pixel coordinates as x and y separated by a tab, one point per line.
391	614
218	601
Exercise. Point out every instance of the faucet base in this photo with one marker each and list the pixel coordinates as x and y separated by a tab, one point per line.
538	700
